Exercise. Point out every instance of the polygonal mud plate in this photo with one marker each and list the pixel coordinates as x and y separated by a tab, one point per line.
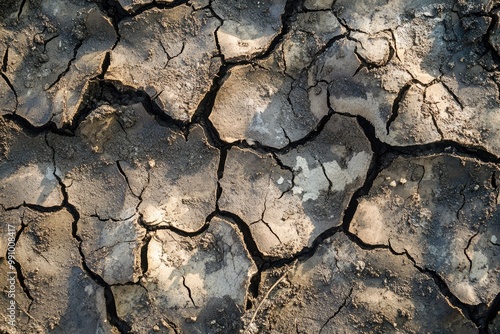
195	284
263	104
443	211
287	207
122	161
173	59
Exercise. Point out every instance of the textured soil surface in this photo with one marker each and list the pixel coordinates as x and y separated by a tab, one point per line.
281	166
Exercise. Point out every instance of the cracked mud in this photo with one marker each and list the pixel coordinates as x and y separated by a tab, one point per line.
208	166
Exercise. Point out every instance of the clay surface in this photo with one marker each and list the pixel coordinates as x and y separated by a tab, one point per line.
244	166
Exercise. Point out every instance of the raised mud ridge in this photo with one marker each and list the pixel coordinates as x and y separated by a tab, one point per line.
209	166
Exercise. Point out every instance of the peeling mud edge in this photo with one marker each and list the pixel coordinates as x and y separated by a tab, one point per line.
490	315
111	312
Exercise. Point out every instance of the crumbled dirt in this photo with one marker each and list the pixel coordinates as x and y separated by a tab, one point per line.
300	166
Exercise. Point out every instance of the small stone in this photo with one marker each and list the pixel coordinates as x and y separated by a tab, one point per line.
393	184
151	215
360	265
151	163
494	239
403	180
156	328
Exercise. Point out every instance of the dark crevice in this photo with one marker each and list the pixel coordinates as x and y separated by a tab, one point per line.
20	12
22	282
216	36
291	8
490	315
379	162
5	60
330	183
251	247
68	67
122	172
45	42
462	193
271	230
309	137
144	254
176	230
494	24
206	105
113	318
455	97
220	175
188	290
446	146
105	66
172	325
287	168
344	303
169	57
247	236
113	9
115	93
438	129
40	208
395	105
29	128
155	4
364	62
467	247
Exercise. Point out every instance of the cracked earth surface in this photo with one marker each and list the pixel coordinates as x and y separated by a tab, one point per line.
282	166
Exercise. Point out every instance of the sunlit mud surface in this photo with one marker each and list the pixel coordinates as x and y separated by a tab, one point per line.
210	166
